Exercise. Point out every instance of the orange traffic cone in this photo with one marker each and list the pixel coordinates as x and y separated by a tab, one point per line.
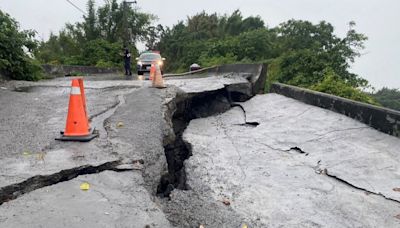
152	71
82	88
158	81
77	127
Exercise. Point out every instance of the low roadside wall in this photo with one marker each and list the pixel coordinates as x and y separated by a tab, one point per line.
63	70
255	73
382	119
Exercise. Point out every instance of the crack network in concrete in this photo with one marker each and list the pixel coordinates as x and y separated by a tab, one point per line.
186	108
358	188
14	191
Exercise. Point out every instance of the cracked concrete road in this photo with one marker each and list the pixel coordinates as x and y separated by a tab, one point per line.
40	177
302	166
46	170
114	200
268	162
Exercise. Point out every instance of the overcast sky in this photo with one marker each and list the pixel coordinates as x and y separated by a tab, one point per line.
377	19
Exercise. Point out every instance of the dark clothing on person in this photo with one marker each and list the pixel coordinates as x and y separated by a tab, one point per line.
127	61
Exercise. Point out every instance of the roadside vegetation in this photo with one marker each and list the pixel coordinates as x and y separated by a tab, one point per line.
16	51
100	38
389	98
297	52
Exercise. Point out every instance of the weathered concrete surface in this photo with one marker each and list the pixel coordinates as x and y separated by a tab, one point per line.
255	74
33	119
113	200
61	70
269	162
29	153
302	166
40	177
382	119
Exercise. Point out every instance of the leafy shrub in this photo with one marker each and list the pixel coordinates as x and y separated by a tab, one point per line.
389	98
15	50
332	84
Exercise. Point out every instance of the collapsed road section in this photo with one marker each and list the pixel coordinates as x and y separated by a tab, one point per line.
206	151
46	176
302	166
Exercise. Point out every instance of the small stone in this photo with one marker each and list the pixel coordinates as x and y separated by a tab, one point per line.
396	189
397	216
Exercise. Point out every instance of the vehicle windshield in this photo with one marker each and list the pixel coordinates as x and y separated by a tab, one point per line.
150	57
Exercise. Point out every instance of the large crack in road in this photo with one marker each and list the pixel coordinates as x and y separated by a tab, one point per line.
181	110
204	154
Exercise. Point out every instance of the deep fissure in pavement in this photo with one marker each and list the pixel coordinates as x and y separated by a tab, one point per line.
14	191
188	107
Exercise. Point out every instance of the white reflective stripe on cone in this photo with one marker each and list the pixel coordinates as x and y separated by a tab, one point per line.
75	91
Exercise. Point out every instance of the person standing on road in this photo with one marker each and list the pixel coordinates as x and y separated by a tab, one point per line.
127	62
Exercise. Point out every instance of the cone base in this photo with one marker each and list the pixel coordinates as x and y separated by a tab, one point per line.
85	138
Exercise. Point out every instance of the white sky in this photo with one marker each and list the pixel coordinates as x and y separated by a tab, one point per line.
377	19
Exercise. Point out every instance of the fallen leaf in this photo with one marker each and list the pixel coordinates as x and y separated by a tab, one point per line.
202	226
40	156
120	124
244	226
27	153
396	189
85	186
226	202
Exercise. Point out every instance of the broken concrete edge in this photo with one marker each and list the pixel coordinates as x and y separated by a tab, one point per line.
27	86
183	107
256	73
382	119
13	191
200	71
53	71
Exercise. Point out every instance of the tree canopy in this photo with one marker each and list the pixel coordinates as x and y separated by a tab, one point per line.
100	38
388	97
298	52
16	48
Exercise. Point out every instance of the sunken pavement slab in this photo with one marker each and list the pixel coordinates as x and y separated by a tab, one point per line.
280	163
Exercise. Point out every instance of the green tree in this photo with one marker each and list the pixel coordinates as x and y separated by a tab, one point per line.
153	36
209	39
308	49
90	26
16	51
389	98
111	26
332	84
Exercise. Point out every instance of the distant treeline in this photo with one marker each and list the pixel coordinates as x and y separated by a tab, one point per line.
297	52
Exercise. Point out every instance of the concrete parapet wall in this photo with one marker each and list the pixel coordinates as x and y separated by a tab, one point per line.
382	119
255	73
62	70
